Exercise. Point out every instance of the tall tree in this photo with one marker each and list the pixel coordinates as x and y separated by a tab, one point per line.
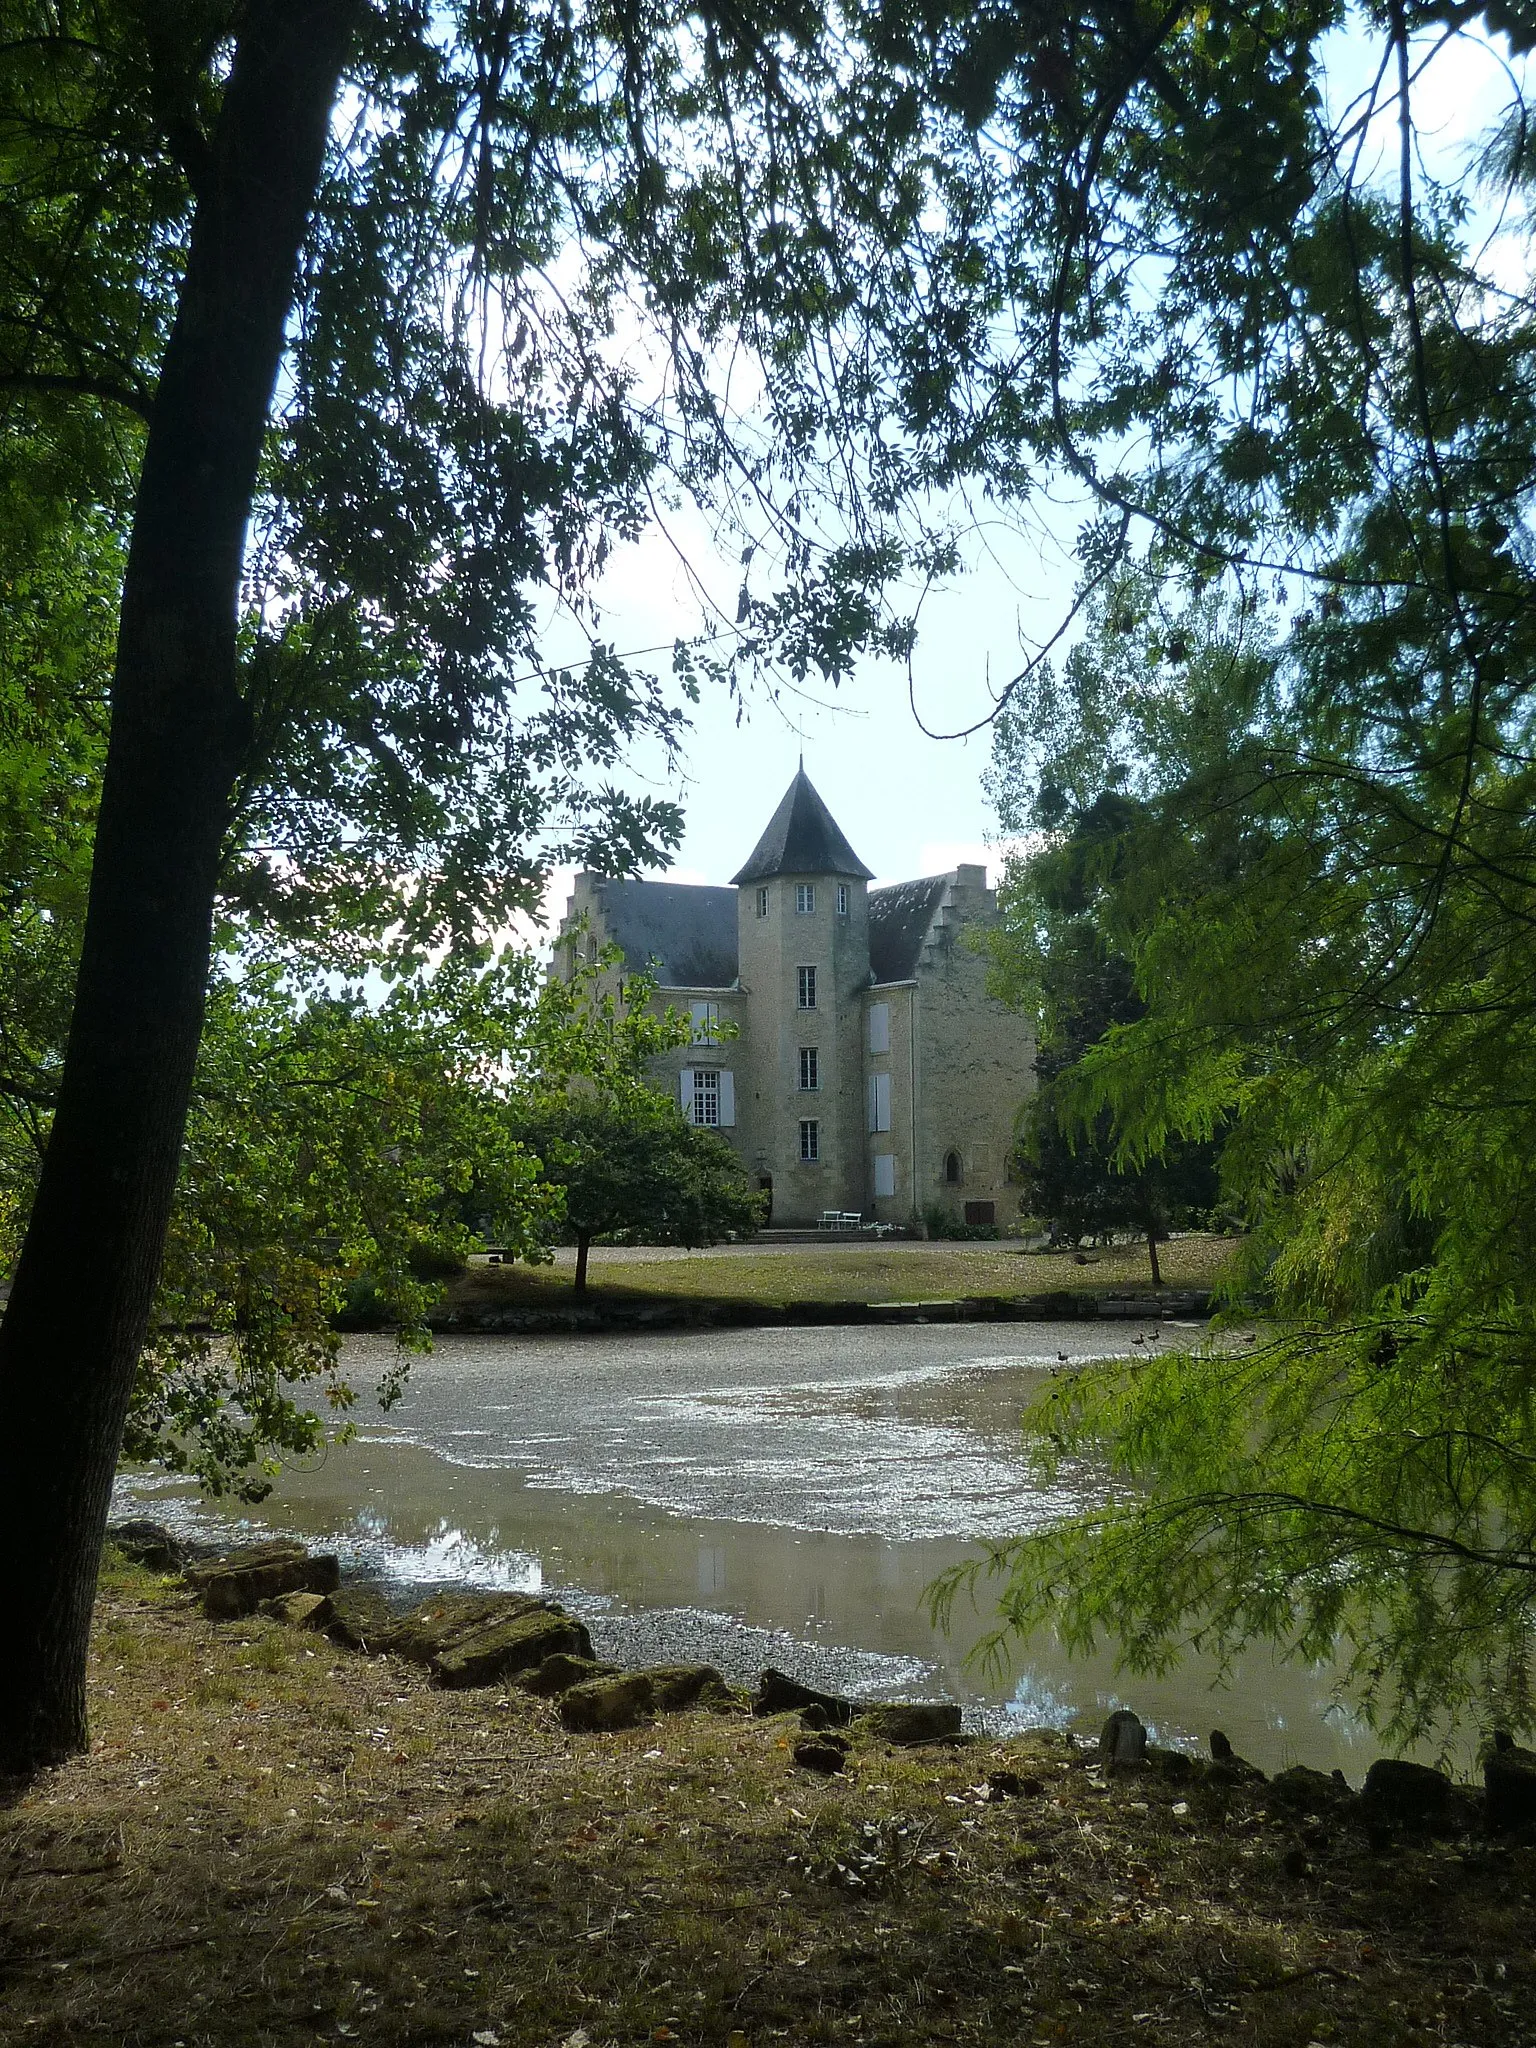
80	1300
1221	273
1050	958
418	231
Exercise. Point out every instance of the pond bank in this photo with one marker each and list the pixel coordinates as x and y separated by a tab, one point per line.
684	1313
274	1843
752	1497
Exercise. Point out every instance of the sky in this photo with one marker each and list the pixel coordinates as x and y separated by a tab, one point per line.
910	804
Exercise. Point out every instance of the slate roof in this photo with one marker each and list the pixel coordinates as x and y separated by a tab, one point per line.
899	918
803	838
685	931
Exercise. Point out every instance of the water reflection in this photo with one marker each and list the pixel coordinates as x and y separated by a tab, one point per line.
754	1497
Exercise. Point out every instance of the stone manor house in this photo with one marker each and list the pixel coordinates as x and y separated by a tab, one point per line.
869	1071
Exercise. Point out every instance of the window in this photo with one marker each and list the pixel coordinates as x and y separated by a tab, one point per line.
805	898
706	1095
810	1075
810	1140
981	1212
952	1168
706	1023
879	1027
885	1173
879	1102
807	988
709	1096
842	899
762	902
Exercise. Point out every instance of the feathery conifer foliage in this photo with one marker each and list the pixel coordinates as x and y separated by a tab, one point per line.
1283	334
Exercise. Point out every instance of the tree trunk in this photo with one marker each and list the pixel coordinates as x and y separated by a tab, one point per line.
1157	1271
73	1329
583	1246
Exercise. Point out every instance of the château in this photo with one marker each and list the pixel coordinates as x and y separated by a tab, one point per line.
870	1070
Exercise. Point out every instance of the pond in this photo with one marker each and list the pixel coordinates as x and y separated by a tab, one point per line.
752	1497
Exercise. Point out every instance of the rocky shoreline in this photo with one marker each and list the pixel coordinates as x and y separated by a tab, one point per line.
480	1640
276	1842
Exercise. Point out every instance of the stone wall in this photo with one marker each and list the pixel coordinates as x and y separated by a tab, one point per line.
975	1061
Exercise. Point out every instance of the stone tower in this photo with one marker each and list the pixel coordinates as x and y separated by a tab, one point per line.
803	961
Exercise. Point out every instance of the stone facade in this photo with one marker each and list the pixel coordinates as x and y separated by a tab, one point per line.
869	1070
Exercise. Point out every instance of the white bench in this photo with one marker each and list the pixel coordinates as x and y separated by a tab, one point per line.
840	1219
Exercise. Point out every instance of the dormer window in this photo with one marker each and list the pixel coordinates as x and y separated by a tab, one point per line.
805	899
762	902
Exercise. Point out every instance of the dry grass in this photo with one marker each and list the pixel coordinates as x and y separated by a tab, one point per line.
273	1843
864	1271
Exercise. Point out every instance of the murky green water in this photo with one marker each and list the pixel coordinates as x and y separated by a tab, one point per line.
752	1497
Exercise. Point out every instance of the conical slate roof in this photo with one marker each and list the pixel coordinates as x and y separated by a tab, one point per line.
803	838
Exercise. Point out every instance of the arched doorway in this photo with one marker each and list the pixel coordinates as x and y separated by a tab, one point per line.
765	1187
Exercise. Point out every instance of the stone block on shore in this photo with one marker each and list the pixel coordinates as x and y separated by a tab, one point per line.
676	1686
149	1544
778	1693
1398	1794
1123	1741
559	1672
500	1649
1312	1792
301	1610
905	1723
361	1619
237	1583
1509	1781
604	1705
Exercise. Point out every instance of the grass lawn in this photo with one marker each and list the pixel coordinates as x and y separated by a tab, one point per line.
862	1271
273	1844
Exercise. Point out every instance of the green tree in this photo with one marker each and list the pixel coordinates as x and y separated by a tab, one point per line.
615	1147
1362	1477
628	1165
1069	1164
330	1141
1281	339
341	282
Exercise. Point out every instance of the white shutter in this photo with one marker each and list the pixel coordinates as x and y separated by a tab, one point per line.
727	1096
879	1027
885	1173
879	1102
686	1080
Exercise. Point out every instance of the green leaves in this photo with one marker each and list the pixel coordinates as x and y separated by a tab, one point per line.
333	1146
616	1147
1322	883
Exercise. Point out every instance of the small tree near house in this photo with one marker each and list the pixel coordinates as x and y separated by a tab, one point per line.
628	1163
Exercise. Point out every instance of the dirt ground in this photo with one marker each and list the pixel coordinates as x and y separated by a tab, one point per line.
862	1271
274	1842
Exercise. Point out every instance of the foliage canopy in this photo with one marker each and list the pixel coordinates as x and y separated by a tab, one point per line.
1282	335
